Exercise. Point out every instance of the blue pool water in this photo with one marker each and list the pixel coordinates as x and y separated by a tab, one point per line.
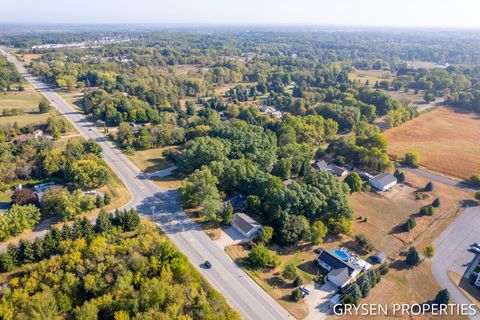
341	254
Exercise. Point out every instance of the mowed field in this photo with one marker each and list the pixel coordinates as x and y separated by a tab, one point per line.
27	101
446	139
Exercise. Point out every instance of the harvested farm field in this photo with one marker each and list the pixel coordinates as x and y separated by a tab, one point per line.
446	139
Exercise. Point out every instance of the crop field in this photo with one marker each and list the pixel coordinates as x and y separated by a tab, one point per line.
445	138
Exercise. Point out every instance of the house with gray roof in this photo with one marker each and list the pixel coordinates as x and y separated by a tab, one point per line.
340	271
383	181
244	224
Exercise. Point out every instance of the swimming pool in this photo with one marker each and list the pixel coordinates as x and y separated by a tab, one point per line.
341	254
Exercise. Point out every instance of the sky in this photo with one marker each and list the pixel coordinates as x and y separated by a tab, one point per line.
399	13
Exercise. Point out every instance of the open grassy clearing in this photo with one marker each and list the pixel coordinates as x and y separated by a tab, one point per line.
371	75
152	160
386	212
445	138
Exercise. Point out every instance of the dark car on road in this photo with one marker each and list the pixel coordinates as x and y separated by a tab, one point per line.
207	264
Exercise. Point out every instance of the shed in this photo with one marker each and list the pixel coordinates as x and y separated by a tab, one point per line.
379	257
245	224
383	181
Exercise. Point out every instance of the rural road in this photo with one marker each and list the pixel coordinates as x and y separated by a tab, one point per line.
441	179
161	206
451	252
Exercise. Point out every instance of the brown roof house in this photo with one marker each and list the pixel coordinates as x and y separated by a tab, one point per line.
244	224
30	136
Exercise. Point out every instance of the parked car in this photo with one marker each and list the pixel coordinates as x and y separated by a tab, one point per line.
476	244
207	264
475	249
305	289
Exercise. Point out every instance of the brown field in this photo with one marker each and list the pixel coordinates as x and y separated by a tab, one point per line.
445	138
28	57
402	284
371	75
386	212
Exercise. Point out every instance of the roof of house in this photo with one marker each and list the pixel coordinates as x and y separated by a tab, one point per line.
287	182
29	136
322	165
341	274
384	179
335	262
337	170
244	222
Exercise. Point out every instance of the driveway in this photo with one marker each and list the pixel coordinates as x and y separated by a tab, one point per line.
438	178
452	252
229	237
318	301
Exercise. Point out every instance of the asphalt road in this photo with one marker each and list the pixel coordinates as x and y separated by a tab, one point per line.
451	252
441	179
162	207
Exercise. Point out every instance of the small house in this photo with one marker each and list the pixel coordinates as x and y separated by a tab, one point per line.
30	136
383	181
244	224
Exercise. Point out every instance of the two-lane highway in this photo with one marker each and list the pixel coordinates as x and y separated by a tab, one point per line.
162	206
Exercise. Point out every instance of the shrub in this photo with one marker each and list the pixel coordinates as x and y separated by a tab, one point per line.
412	257
477	195
429	186
260	257
364	242
443	297
427	211
409	224
475	179
297	281
290	272
436	203
297	295
412	159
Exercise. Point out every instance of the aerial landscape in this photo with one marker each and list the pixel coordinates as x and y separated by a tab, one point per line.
263	160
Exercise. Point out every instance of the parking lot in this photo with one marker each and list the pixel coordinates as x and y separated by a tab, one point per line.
452	251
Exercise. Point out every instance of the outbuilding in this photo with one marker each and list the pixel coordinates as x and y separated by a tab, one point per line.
383	181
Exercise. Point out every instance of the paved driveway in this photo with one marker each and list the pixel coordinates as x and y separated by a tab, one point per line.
319	299
230	236
452	252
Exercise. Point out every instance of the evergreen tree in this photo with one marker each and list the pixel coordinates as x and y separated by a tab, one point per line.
429	186
27	254
107	198
412	257
38	249
436	203
6	262
103	223
366	286
443	297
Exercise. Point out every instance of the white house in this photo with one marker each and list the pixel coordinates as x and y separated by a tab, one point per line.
245	224
383	181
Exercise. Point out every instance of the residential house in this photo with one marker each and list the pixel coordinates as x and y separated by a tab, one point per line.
244	224
30	136
332	168
342	266
383	181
